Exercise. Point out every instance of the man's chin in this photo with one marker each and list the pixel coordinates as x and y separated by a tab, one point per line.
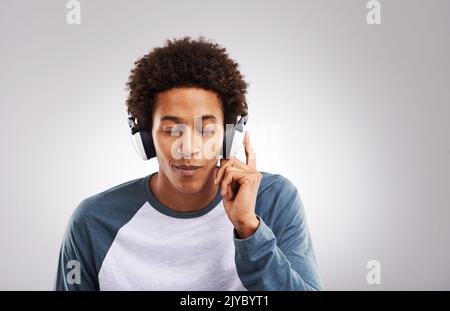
188	185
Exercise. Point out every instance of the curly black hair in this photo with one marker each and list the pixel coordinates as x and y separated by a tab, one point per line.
186	62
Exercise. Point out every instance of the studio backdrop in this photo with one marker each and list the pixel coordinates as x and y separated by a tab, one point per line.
350	100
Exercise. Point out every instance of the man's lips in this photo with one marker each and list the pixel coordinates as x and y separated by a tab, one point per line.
187	170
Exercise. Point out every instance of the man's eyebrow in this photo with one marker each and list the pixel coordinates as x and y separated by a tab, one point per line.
171	118
208	117
179	120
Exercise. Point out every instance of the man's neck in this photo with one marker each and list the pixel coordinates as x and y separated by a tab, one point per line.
178	201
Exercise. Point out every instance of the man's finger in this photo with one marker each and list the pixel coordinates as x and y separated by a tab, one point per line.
225	182
223	165
249	152
232	175
239	164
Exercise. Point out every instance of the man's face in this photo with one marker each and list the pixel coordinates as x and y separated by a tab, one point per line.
187	131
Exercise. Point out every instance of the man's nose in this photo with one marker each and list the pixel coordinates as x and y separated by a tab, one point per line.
192	144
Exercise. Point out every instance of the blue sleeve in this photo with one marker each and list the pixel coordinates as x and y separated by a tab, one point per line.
76	270
283	260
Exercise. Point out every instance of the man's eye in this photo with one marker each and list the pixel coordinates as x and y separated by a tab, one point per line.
176	132
172	132
208	132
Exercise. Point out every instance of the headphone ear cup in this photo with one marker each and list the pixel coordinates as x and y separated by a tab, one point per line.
224	146
147	143
238	141
234	137
227	141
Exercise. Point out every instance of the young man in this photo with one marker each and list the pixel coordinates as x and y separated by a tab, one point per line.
192	225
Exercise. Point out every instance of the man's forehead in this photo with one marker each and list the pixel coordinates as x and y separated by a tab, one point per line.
187	103
188	108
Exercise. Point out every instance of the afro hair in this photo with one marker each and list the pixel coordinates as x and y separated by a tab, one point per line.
185	62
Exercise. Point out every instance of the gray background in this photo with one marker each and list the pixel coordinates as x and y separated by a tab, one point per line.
356	115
